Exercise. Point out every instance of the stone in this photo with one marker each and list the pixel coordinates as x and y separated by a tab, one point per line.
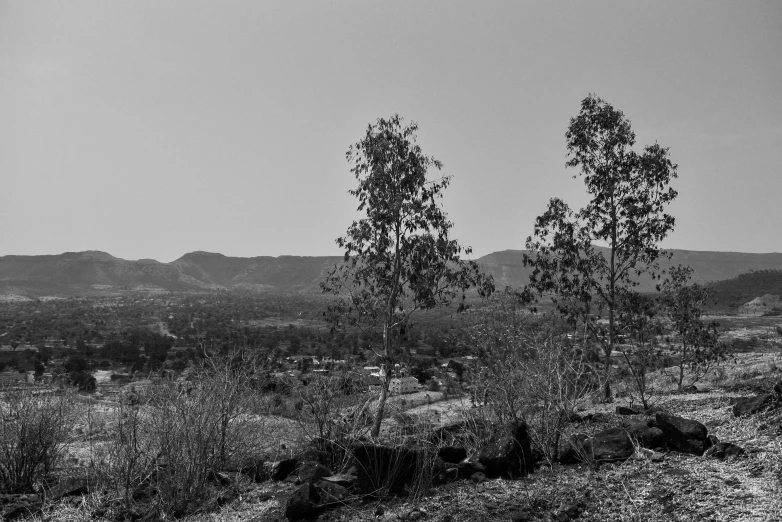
310	471
469	466
627	410
651	410
346	480
723	450
756	404
18	506
611	445
599	417
478	477
509	453
303	503
683	435
647	436
281	469
520	516
453	454
330	494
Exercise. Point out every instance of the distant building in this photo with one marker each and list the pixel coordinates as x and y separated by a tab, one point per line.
404	385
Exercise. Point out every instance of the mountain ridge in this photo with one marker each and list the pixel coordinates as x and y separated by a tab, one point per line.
78	272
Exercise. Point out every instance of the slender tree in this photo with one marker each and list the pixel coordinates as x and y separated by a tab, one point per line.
629	191
399	258
698	345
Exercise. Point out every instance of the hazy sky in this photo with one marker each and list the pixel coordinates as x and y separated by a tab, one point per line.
149	129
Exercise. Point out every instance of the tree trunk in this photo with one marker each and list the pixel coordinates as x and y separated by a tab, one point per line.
381	406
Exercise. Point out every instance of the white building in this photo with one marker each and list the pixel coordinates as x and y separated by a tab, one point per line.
403	385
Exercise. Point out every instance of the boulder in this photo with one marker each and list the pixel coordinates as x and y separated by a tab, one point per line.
753	405
469	466
382	468
611	445
722	450
330	493
509	453
683	435
281	469
628	410
309	471
18	506
646	435
303	503
453	454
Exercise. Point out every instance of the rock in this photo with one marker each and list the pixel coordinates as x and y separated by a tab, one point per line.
684	435
453	454
627	410
722	450
509	453
414	515
647	436
520	516
309	471
346	480
330	494
756	404
611	445
303	503
69	487
470	466
17	506
598	417
478	477
387	468
281	469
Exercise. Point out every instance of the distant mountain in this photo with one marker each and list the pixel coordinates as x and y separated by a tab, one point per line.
508	269
754	292
74	273
89	272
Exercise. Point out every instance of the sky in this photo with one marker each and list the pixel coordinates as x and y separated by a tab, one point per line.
151	129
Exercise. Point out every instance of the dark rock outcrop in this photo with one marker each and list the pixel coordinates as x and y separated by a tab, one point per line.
628	410
722	450
282	468
647	436
683	435
509	453
756	404
611	445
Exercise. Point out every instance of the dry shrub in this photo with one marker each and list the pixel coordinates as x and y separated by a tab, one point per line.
527	373
34	429
332	417
170	439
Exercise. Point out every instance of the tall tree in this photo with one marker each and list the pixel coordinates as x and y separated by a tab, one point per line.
399	258
629	192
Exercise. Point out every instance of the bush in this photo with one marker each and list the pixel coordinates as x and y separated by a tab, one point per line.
173	437
33	433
